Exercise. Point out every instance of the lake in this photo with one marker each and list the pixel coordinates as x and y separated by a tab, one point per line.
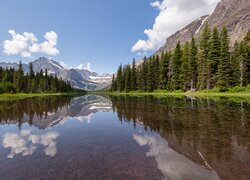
125	137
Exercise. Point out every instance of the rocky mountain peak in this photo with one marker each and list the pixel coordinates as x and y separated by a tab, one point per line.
82	79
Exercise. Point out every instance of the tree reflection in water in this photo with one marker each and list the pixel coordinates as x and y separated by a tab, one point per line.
215	130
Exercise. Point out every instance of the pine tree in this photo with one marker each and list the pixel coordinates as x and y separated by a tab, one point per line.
235	66
203	68
127	78
31	77
20	77
31	71
156	72
247	54
164	70
176	82
150	85
144	74
133	77
214	58
119	79
113	85
184	67
223	67
192	64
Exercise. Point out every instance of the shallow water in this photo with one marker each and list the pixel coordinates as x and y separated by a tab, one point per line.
125	137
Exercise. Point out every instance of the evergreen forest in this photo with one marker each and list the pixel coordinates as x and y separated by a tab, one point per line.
210	64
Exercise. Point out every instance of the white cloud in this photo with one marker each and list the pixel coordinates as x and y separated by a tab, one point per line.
87	67
174	15
26	44
26	143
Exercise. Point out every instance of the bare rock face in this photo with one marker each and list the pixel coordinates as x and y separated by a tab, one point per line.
183	35
233	14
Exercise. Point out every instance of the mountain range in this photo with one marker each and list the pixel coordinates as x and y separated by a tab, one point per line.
233	14
79	78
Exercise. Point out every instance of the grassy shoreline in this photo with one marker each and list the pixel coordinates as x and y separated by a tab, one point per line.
9	97
196	94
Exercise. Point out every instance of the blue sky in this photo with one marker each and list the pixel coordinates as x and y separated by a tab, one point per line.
102	33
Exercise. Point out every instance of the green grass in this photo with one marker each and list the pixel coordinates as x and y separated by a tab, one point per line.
181	93
8	97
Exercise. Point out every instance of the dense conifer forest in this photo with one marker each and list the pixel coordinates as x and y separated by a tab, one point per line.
211	64
16	81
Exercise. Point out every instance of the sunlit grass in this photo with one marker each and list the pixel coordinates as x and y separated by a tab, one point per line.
181	93
8	97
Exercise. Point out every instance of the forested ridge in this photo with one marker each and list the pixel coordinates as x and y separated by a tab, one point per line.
209	64
16	81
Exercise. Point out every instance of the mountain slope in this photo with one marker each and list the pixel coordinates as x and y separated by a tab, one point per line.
233	14
79	78
184	35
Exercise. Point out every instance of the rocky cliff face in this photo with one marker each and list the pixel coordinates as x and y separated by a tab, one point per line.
184	35
233	14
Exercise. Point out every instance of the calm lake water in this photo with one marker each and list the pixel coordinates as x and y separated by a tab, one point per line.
125	137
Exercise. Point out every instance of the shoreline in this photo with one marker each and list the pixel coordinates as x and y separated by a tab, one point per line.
10	97
195	94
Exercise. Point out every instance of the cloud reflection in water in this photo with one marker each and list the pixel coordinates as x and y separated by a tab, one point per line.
26	143
172	164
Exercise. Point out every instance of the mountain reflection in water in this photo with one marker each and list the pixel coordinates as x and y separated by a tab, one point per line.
125	137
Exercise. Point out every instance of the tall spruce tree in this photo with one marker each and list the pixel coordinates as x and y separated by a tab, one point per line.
214	58
184	67
164	63
176	81
144	75
150	85
235	66
119	79
20	78
203	69
156	72
247	54
223	67
192	64
113	84
133	77
127	86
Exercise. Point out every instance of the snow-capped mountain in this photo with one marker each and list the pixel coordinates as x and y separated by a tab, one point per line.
79	78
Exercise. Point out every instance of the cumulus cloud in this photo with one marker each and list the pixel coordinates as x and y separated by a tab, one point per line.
25	143
87	67
173	16
26	44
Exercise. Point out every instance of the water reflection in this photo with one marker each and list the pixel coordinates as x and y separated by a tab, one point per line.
114	137
210	132
26	142
47	112
58	111
172	164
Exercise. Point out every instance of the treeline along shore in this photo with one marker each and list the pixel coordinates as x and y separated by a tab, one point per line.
210	65
16	81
